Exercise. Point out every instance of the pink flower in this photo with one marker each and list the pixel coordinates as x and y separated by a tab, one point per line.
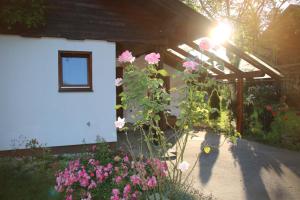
92	185
120	123
115	192
205	44
134	196
126	159
118	179
115	198
126	191
136	180
118	82
151	182
69	197
125	57
152	58
190	65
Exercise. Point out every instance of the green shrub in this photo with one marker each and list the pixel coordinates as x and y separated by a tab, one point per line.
286	130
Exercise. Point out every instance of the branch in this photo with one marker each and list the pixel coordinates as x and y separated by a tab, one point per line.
228	8
205	10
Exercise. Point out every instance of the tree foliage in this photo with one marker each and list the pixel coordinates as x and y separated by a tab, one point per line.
248	17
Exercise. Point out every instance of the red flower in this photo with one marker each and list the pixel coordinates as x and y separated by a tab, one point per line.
274	113
92	174
269	108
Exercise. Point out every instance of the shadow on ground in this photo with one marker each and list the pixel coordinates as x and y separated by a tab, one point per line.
207	161
261	168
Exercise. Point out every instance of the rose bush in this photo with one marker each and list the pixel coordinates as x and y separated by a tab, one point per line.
83	179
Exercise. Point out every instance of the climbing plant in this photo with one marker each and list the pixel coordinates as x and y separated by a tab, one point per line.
22	13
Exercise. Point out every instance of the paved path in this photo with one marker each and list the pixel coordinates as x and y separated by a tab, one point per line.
247	171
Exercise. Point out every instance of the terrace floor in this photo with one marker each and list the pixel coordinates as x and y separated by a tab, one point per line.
248	170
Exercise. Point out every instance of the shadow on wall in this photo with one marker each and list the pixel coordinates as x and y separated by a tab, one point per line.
207	161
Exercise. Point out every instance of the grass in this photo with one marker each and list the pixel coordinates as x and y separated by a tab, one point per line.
27	179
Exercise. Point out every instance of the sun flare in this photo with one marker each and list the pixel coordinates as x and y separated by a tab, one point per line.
221	32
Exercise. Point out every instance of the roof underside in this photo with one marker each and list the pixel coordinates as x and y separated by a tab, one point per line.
143	26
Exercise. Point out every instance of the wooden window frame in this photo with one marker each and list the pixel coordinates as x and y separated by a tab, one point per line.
75	88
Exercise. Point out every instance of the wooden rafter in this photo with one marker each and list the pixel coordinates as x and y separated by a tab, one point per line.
251	60
205	64
216	58
246	75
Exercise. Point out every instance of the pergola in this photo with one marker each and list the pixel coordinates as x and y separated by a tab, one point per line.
179	29
176	55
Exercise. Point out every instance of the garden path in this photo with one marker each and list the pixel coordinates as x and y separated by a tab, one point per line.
246	171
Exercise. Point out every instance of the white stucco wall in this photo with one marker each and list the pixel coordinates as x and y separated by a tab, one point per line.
32	107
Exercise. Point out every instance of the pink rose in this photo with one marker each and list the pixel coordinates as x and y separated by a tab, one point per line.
125	57
152	58
69	197
92	185
190	65
118	179
151	182
136	180
126	191
205	44
126	159
115	192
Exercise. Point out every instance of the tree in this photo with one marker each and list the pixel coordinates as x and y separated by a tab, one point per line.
249	18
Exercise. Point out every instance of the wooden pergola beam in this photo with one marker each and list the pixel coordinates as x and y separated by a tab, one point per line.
206	65
173	61
216	58
246	75
251	61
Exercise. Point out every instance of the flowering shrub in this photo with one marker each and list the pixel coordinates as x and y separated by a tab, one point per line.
144	92
128	179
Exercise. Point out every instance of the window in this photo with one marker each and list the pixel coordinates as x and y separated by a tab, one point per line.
75	71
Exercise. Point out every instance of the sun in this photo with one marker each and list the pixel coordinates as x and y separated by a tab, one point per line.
221	32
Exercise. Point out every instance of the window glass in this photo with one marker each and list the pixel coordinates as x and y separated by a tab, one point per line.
75	71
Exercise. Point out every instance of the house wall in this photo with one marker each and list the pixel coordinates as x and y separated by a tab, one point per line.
291	85
30	104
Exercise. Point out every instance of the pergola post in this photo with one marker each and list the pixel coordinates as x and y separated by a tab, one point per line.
240	104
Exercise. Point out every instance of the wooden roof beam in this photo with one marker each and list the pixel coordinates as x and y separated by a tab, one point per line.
216	58
251	60
246	75
173	61
206	65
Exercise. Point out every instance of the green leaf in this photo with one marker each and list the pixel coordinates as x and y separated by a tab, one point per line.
118	107
163	72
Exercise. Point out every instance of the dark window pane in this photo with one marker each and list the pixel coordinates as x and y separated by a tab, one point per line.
75	71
